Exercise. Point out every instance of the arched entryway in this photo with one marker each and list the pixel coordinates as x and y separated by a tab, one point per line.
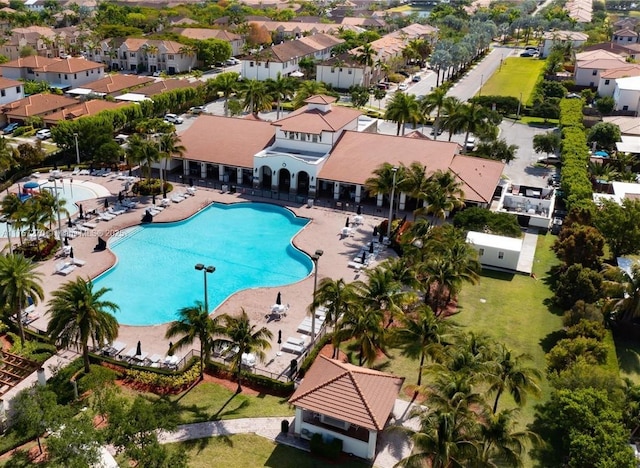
265	177
284	180
303	183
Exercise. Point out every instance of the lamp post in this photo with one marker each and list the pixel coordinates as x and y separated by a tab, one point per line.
393	195
315	257
205	270
55	187
75	137
8	223
519	104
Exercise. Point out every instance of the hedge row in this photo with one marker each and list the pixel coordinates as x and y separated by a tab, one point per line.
575	184
276	386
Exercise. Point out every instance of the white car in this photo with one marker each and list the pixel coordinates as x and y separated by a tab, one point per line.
470	143
403	86
173	118
43	134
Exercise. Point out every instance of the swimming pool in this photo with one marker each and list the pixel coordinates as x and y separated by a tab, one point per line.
74	193
248	243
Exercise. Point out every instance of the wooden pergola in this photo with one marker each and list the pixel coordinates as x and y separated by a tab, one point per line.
13	370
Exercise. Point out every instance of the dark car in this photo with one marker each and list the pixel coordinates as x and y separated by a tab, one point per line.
556	225
529	53
10	128
416	78
440	130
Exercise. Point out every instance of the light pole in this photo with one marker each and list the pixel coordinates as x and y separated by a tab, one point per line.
55	187
519	104
481	83
8	223
315	257
75	137
205	270
393	195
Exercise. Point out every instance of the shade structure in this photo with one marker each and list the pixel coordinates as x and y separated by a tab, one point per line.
32	185
139	348
297	74
279	298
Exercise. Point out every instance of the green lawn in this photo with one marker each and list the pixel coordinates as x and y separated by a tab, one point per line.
249	451
209	401
518	75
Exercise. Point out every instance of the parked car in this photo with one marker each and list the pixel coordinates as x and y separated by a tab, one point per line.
198	109
440	130
549	160
173	118
556	225
384	85
470	143
529	53
232	61
43	133
403	86
10	128
532	49
156	74
416	78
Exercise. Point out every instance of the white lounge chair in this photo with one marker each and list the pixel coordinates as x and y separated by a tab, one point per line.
105	216
191	191
64	269
90	225
77	262
84	172
130	353
292	348
177	199
165	202
76	171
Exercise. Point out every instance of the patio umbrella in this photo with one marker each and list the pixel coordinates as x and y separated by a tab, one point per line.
170	352
153	198
120	196
32	185
279	338
71	252
347	223
70	223
297	74
139	349
106	203
190	182
81	213
164	192
359	210
279	298
364	256
66	240
371	247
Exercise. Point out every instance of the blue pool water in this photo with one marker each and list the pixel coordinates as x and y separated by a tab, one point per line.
248	243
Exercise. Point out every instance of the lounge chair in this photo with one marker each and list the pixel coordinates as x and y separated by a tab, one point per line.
116	348
105	216
191	191
297	341
76	171
90	225
165	202
84	172
77	262
129	354
64	269
292	348
177	199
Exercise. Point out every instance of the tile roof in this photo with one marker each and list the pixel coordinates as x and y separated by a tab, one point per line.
602	64
565	35
619	49
288	50
202	33
628	125
479	176
83	109
135	44
117	82
166	85
320	99
357	395
315	121
8	83
32	61
593	54
224	140
54	65
631	70
36	104
625	33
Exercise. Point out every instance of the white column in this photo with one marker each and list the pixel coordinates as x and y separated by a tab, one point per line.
274	179
379	200
239	176
297	422
336	190
294	183
358	193
403	201
371	448
221	172
185	167
203	170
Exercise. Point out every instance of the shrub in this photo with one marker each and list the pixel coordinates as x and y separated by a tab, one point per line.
483	220
98	377
567	351
311	357
582	311
316	444
578	283
503	104
587	329
161	383
33	349
23	131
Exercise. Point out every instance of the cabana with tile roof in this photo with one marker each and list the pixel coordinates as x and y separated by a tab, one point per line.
347	402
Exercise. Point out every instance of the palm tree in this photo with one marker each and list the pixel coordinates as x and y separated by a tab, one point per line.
365	56
472	118
170	146
625	300
435	101
364	325
195	323
227	83
78	314
381	183
500	444
511	376
444	196
244	338
403	108
7	155
381	291
142	151
281	88
307	89
255	96
451	106
417	183
19	281
51	205
420	336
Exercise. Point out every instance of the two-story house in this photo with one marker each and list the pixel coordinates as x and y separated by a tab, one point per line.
235	40
10	90
590	65
60	73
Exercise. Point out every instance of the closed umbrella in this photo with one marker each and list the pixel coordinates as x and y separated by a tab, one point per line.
164	192
364	256
120	196
170	352
81	213
359	210
279	338
153	198
71	252
375	231
347	223
106	203
139	349
279	298
70	223
381	237
66	240
371	247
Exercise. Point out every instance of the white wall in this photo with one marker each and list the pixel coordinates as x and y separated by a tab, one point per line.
585	77
261	71
548	45
357	447
11	94
340	77
606	89
626	99
72	79
490	256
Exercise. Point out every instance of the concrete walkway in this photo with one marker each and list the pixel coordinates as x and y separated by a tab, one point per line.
527	254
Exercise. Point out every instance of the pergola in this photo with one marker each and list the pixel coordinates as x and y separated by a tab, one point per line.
13	370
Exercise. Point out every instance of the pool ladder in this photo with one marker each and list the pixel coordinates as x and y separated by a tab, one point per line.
124	234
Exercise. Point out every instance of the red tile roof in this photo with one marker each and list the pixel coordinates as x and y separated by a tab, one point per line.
315	121
166	85
37	104
83	109
114	83
223	140
8	83
357	395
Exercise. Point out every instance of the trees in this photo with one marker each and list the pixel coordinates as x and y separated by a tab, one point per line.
401	109
255	96
210	51
281	88
244	338
363	325
620	226
170	146
577	283
307	89
381	183
499	150
473	118
444	196
605	135
78	314
19	281
195	323
547	143
580	244
512	376
365	56
435	100
227	83
142	151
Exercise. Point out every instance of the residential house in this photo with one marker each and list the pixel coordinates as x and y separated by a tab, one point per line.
144	55
285	57
235	40
60	73
113	85
10	90
626	22
607	82
496	252
376	24
40	38
624	37
626	94
346	402
589	66
158	87
81	109
37	105
341	71
320	150
551	38
532	205
284	30
628	125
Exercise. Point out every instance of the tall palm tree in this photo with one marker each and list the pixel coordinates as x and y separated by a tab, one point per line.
451	106
364	326
435	100
255	96
500	444
417	182
170	146
512	376
51	205
401	109
381	183
195	323
366	55
78	314
307	89
226	83
472	118
244	338
421	335
281	88
8	155
19	281
381	291
444	196
338	297
141	151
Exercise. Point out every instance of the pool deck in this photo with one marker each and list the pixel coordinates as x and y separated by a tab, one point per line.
323	232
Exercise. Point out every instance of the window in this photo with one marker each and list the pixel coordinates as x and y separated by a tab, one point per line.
87	73
170	57
624	108
18	89
314	138
594	72
501	255
629	39
481	252
333	70
292	136
75	76
132	54
66	77
266	64
3	93
251	64
606	82
350	72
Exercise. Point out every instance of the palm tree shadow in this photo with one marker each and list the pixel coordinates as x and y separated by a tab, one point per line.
202	444
628	355
186	392
197	413
220	413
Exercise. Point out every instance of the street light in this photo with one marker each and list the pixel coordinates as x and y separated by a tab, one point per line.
55	187
75	136
205	270
393	195
519	104
315	257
